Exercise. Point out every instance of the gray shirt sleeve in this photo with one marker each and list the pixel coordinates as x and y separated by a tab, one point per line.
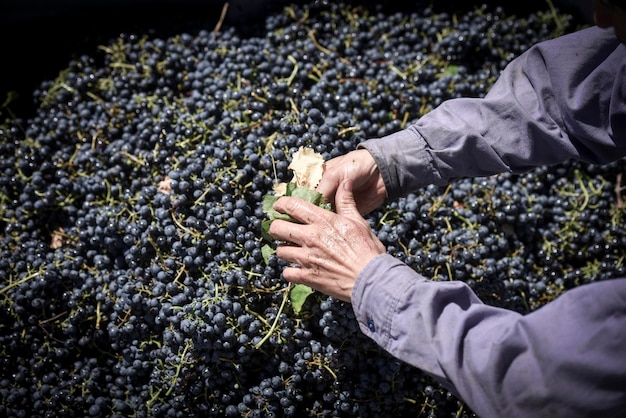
562	99
566	359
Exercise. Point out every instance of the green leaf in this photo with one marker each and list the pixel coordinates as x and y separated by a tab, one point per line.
268	208
267	250
451	70
294	190
311	196
265	230
298	295
268	202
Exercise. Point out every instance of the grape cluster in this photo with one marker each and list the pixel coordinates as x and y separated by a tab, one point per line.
132	276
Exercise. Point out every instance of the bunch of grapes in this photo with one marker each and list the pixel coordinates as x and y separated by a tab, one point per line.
132	276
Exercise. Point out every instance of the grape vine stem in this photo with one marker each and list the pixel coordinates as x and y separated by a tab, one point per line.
178	369
275	323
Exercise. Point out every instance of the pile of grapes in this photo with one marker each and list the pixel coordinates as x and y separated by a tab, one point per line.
132	276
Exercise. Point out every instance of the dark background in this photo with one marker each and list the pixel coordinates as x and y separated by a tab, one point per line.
39	37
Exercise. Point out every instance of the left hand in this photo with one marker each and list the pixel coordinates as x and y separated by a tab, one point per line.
328	249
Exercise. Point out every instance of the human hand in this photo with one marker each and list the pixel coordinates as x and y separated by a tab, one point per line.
359	166
328	249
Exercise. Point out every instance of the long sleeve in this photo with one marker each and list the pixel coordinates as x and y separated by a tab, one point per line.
564	98
566	359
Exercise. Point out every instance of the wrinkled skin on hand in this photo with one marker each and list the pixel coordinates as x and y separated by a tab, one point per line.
327	249
359	166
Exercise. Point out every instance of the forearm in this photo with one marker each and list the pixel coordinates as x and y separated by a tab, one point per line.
560	100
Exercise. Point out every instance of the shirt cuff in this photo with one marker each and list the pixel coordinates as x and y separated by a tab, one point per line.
404	161
376	294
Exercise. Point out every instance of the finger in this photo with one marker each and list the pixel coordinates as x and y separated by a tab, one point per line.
301	210
294	275
328	184
298	275
344	201
283	230
290	253
312	278
335	170
301	268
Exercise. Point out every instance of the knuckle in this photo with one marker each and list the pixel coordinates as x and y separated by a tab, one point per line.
275	227
292	204
310	239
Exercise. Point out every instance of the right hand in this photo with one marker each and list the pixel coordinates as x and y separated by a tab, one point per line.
359	166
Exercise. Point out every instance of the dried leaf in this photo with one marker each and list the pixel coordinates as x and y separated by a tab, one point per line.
307	166
280	189
165	185
57	238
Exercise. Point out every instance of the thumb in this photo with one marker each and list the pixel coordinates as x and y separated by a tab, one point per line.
345	204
